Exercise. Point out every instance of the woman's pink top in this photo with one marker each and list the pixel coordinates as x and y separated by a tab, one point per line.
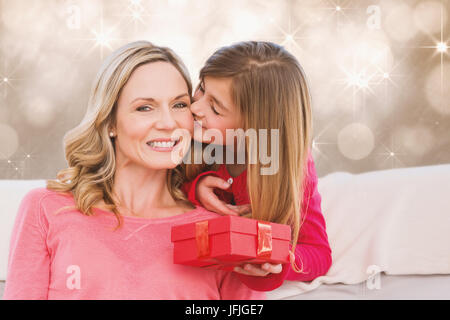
69	255
313	251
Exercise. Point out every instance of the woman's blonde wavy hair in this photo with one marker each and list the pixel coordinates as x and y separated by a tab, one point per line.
90	151
270	90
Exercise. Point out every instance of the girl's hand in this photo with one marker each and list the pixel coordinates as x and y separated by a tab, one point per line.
209	200
263	269
258	270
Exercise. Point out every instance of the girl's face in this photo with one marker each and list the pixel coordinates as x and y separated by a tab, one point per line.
153	104
213	108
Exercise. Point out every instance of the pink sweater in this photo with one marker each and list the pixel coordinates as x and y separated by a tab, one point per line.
72	256
313	251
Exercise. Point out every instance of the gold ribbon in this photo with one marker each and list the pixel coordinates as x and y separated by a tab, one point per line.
264	248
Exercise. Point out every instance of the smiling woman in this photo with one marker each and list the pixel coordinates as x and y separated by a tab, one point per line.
65	242
119	124
144	127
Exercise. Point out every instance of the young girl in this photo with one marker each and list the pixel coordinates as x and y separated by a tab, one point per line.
259	85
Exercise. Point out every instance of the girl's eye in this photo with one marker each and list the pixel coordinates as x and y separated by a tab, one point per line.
214	110
144	108
180	105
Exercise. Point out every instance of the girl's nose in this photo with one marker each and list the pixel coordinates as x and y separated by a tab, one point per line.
197	110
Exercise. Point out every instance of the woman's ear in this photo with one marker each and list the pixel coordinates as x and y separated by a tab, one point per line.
112	132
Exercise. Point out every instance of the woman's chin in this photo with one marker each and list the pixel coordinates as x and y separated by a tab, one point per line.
166	165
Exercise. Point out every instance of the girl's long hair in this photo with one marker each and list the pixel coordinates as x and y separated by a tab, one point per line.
89	149
270	91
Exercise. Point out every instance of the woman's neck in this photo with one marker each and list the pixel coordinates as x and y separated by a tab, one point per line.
143	192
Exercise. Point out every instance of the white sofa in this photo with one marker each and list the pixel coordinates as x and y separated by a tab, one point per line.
389	232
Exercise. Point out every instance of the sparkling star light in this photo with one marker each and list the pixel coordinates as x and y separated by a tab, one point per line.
392	154
7	78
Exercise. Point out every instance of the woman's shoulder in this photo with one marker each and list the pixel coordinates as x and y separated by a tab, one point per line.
37	203
43	192
44	197
204	211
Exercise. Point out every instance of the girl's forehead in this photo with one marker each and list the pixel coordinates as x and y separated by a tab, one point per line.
220	89
218	83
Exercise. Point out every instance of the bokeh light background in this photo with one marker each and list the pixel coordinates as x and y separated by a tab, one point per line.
379	70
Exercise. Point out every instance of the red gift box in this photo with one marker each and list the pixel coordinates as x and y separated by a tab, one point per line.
228	241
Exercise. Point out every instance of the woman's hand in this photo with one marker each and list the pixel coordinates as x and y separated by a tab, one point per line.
209	200
258	270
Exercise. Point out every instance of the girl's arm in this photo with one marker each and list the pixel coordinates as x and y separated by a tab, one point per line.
313	249
216	186
29	262
312	253
231	288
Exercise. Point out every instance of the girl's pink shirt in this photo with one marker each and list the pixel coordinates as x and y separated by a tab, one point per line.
312	252
69	255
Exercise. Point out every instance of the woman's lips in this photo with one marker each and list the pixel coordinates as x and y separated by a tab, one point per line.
163	145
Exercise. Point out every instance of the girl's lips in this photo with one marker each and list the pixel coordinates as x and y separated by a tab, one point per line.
198	124
199	132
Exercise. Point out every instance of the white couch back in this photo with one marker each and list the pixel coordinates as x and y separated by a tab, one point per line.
11	194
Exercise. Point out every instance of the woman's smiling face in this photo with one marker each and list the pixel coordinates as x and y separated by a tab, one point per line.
152	107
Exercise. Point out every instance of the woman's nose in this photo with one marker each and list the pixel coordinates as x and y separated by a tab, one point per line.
166	120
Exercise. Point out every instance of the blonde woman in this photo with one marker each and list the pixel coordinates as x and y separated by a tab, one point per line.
102	230
258	85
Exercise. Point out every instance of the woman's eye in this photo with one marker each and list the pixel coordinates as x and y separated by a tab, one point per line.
180	105
144	108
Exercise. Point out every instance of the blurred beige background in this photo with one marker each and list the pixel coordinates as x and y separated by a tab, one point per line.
379	70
